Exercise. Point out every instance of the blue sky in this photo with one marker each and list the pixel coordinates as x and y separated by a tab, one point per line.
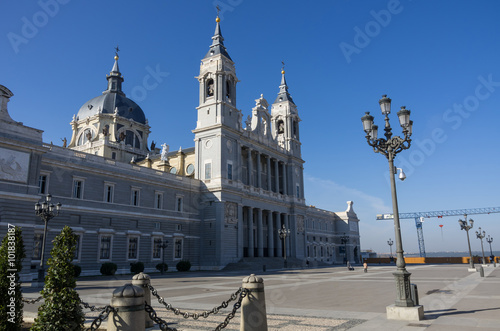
440	59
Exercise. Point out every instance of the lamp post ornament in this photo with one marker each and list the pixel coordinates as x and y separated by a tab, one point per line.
344	240
284	232
480	235
163	246
390	243
492	257
390	146
46	212
467	227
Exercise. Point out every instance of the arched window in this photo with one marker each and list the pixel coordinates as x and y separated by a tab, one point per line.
228	89
210	87
85	137
281	127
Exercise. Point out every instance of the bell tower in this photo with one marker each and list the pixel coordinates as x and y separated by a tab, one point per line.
217	79
219	121
285	120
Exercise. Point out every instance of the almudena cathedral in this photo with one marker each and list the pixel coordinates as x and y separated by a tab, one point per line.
222	201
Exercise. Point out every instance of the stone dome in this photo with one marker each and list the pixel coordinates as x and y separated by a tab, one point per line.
110	102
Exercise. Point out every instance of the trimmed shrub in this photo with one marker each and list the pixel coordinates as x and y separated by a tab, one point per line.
136	267
108	268
183	265
11	256
78	270
161	266
61	309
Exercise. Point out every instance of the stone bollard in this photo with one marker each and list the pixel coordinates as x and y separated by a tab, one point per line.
253	306
142	280
129	301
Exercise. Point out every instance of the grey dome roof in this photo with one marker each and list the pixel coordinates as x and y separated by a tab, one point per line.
107	103
112	99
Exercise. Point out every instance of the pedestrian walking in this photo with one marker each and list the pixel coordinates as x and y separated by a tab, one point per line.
365	267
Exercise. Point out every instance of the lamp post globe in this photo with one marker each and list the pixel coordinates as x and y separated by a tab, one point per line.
46	211
284	232
480	235
163	246
467	227
390	146
492	257
344	240
390	243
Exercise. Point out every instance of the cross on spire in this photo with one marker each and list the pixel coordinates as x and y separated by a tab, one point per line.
283	65
218	10
116	50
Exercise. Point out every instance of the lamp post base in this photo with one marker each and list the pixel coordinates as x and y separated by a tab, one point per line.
404	299
415	313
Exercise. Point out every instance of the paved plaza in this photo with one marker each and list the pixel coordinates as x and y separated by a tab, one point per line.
320	299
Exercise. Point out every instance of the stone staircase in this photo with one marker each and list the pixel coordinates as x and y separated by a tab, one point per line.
256	264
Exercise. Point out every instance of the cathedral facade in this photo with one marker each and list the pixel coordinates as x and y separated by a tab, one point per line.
226	199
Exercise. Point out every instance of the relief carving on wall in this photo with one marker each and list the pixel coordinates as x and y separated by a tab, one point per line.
300	224
231	213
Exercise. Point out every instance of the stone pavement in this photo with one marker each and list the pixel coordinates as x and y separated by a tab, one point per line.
320	299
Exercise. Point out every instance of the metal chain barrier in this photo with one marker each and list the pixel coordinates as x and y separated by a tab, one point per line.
102	316
242	292
161	323
32	300
92	308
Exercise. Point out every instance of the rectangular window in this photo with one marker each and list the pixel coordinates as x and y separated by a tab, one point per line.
157	250
78	189
158	200
208	170
132	247
178	249
43	184
37	246
109	190
298	191
105	249
135	197
230	171
179	203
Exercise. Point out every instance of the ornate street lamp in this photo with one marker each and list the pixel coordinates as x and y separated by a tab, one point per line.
492	257
390	243
46	212
344	240
481	236
389	147
163	246
284	232
467	227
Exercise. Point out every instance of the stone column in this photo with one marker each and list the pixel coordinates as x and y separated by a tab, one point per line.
259	169
284	179
268	164
129	300
253	306
277	175
250	167
142	280
260	234
251	249
270	234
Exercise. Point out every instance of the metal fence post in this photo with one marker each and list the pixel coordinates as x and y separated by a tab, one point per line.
143	280
253	306
129	302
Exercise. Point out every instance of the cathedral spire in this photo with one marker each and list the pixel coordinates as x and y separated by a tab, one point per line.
115	78
217	46
283	94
